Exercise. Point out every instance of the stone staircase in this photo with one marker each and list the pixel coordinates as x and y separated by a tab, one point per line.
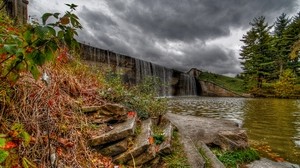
126	139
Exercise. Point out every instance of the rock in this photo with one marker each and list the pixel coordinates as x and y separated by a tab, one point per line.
115	149
112	110
214	161
266	163
165	147
195	160
120	131
140	145
199	128
232	140
90	109
145	157
151	153
108	113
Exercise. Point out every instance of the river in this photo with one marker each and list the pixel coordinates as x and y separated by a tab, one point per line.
273	125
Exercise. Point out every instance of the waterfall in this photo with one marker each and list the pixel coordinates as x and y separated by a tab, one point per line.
187	85
145	69
170	82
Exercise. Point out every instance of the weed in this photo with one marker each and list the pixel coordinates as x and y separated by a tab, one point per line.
237	157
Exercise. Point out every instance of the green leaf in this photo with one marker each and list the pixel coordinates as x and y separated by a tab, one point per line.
72	6
10	48
26	137
35	72
51	31
3	155
28	36
49	54
2	142
60	34
56	15
45	17
26	163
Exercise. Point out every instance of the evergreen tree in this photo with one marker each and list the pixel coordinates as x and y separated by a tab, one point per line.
281	46
257	54
292	35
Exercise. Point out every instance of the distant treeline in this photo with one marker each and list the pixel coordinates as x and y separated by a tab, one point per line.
270	56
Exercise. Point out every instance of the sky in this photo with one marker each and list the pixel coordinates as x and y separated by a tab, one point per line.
178	34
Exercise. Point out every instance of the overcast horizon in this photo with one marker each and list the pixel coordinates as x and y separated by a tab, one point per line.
202	34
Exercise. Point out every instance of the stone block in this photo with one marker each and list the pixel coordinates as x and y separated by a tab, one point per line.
120	131
141	144
232	140
115	149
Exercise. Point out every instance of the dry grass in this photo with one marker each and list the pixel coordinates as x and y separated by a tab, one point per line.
51	115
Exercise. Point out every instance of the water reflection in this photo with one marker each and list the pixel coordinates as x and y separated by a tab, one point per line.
273	122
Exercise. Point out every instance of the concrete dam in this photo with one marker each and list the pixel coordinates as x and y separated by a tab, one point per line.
172	82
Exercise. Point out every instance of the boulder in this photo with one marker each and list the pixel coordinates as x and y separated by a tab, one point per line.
232	140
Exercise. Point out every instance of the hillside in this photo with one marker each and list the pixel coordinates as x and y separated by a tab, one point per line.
232	84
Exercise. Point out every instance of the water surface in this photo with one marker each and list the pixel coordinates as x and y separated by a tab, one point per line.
273	125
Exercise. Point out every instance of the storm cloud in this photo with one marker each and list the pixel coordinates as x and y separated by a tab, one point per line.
179	34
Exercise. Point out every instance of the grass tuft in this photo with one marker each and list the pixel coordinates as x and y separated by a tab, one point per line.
238	157
178	157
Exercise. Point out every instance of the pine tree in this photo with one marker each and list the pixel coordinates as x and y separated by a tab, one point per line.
292	35
257	54
281	46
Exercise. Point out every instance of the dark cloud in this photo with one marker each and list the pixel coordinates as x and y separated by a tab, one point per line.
195	19
174	33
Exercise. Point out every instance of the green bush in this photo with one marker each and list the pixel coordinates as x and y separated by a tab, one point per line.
141	98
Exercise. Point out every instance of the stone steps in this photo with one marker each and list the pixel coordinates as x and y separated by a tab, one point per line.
141	144
128	142
154	150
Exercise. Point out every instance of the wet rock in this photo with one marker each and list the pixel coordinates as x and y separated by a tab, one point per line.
120	131
140	145
115	149
232	140
266	163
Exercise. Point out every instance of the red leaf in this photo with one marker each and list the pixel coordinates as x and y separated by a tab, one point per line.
65	142
151	140
131	114
9	145
59	151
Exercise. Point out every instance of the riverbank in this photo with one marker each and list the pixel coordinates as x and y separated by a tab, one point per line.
271	124
198	132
